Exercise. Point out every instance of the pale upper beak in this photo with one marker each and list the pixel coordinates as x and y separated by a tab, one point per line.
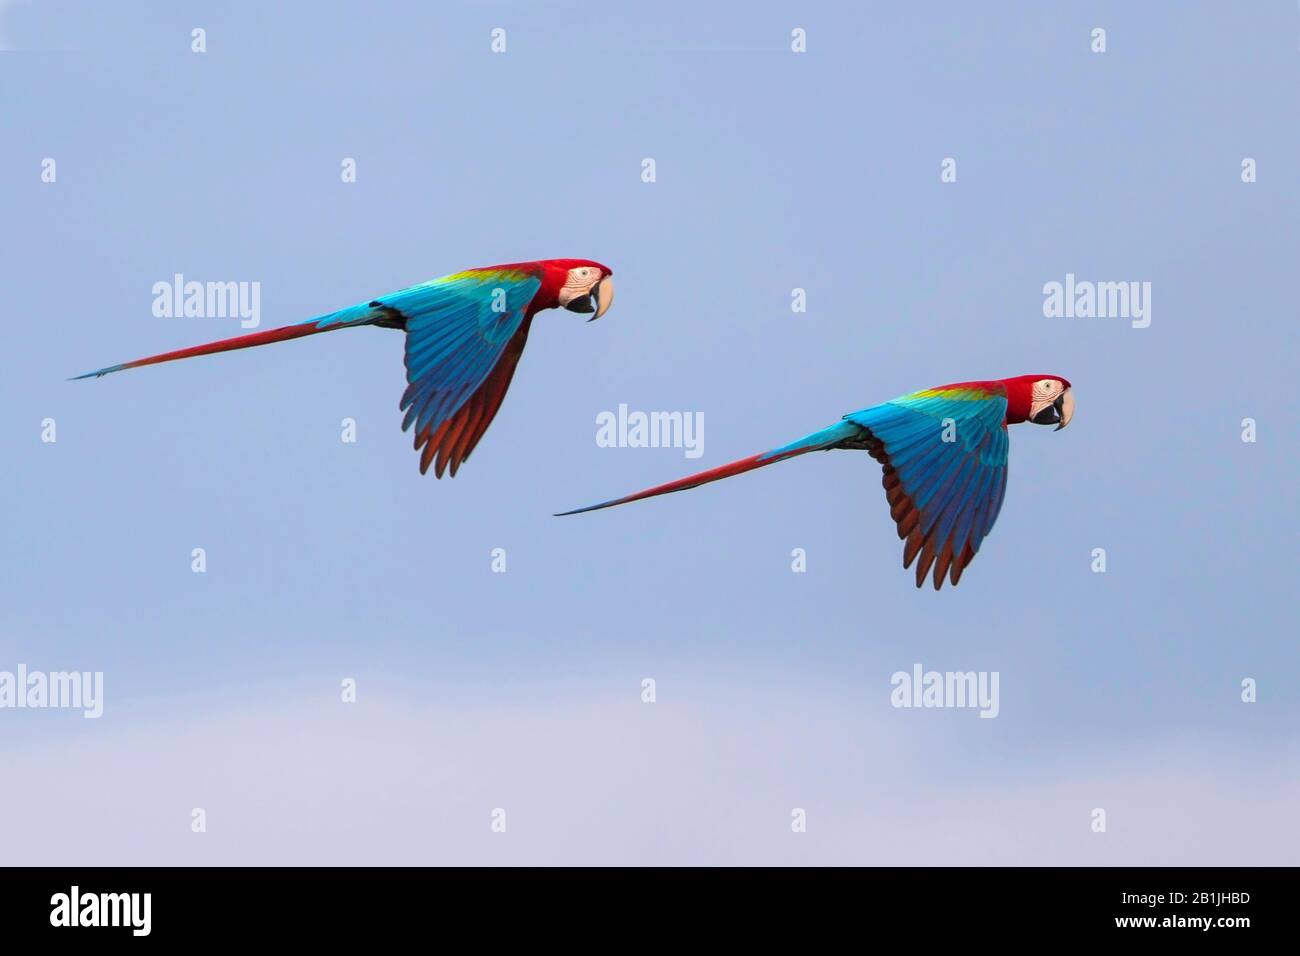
1058	412
1065	408
603	297
595	300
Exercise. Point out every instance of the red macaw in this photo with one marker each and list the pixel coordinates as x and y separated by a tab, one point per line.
944	453
464	335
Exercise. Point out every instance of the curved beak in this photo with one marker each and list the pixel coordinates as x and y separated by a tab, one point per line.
1064	408
602	297
1058	413
595	301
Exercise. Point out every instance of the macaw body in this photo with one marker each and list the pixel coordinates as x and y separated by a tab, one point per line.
944	455
464	335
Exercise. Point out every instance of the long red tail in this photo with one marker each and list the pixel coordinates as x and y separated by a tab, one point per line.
817	441
225	345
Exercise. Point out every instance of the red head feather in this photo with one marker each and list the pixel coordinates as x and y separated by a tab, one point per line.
1020	394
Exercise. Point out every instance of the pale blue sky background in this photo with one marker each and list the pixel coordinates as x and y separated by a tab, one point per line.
521	690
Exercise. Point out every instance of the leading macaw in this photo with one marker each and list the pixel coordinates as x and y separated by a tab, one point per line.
944	454
464	335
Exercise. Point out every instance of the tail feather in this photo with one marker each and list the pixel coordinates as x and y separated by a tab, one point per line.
817	441
337	320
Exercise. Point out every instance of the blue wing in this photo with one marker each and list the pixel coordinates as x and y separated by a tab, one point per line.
944	453
457	330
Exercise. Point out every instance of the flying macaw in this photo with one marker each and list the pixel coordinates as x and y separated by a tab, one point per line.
944	453
464	335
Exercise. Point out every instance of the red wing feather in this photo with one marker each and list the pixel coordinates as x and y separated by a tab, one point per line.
456	437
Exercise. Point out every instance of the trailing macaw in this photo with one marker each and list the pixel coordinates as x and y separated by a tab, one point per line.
464	335
944	453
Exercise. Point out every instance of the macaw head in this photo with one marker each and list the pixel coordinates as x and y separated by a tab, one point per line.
1039	400
580	285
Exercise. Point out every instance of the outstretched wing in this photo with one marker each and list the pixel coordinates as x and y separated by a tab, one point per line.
944	452
456	437
464	334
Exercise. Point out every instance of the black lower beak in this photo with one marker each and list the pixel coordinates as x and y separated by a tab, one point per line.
1051	415
583	303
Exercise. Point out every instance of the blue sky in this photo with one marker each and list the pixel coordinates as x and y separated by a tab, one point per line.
522	690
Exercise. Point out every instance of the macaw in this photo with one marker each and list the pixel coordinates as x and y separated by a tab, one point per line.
464	335
944	454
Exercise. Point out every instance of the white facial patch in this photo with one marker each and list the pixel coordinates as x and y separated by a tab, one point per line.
1046	391
578	283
